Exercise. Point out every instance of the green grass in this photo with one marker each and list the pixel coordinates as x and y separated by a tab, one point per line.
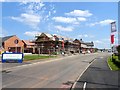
112	64
35	57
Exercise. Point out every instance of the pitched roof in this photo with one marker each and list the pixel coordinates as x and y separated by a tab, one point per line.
6	38
63	37
90	43
28	42
50	36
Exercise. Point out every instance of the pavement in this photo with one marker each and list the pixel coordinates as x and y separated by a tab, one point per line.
98	76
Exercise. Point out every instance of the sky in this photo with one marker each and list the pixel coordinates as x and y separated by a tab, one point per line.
87	20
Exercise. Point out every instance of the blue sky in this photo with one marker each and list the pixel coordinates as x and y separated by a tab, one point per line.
87	20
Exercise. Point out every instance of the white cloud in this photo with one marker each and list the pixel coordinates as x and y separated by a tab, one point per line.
34	7
106	22
102	23
31	33
83	13
61	28
29	19
93	24
85	36
69	20
99	42
64	19
81	19
54	11
104	43
2	0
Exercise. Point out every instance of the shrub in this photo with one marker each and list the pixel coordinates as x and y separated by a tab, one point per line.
118	49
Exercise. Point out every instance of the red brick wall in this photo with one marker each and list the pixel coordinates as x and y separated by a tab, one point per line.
10	43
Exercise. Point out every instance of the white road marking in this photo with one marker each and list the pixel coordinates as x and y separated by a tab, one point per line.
81	75
84	86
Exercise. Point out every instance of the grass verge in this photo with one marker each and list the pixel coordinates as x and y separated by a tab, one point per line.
35	57
114	64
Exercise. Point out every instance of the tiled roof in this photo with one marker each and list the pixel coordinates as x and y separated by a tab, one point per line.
27	42
50	36
3	39
90	43
6	38
63	37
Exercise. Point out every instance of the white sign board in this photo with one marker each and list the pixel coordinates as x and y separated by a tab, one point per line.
12	56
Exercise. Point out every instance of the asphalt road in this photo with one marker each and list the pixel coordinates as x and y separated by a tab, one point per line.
98	76
60	73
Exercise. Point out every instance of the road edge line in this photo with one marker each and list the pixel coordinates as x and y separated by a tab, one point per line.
73	86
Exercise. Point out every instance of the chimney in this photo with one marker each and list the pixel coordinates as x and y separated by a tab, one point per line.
81	39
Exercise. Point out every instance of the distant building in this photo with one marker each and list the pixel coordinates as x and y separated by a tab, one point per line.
29	46
78	47
69	45
48	43
12	44
85	46
90	46
45	43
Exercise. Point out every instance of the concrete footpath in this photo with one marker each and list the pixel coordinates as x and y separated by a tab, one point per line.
98	76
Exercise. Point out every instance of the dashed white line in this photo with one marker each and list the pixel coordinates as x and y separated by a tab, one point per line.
81	75
84	86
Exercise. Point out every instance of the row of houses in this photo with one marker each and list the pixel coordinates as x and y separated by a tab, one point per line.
46	44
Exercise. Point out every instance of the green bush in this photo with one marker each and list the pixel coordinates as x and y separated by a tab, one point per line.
112	64
115	60
118	49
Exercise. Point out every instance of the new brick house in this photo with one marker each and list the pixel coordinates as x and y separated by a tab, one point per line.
48	43
12	44
45	43
29	46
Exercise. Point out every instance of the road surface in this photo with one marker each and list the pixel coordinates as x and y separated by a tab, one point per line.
98	76
60	73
